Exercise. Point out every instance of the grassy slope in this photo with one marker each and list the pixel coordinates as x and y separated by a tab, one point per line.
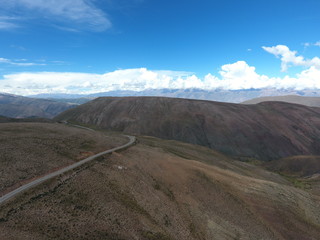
164	190
12	120
299	166
28	150
302	171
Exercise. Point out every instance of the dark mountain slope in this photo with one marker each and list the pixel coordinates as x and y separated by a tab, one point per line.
299	166
22	107
265	131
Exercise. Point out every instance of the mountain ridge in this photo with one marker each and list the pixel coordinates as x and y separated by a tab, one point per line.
296	99
14	106
221	95
264	131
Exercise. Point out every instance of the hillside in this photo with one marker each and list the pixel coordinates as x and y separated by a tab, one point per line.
298	166
28	150
12	120
5	119
265	131
22	107
164	190
307	101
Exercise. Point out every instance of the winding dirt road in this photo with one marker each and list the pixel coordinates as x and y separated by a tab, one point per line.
29	185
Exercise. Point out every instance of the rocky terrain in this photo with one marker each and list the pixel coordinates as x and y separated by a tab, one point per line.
164	190
307	101
265	131
22	107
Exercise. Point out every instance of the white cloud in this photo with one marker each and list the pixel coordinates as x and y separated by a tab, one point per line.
20	62
75	13
308	44
128	79
7	23
289	58
234	76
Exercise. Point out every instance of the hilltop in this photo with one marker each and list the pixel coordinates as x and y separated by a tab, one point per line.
307	101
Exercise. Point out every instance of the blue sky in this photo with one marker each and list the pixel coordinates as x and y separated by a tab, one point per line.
85	46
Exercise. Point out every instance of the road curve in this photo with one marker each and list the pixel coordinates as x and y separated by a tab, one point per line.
29	185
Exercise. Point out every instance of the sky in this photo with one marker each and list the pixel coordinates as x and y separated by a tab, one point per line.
89	46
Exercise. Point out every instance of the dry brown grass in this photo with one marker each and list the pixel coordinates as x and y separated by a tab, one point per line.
302	171
28	150
164	190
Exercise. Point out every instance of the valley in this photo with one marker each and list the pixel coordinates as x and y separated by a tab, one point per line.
162	188
159	120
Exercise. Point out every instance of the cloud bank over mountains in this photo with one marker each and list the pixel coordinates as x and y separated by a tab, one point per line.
235	76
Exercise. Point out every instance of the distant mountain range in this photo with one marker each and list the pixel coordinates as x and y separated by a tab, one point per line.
14	106
265	131
50	105
307	101
233	96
